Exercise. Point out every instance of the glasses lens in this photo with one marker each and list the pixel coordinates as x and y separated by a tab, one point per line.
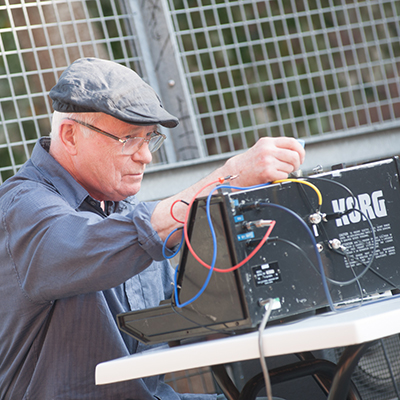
132	145
156	142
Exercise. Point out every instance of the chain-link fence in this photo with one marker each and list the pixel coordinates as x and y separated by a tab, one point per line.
37	41
288	68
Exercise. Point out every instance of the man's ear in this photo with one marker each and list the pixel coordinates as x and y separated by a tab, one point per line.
68	136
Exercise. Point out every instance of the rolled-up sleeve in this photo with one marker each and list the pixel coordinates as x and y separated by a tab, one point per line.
148	238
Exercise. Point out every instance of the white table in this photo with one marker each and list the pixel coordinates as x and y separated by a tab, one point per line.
367	323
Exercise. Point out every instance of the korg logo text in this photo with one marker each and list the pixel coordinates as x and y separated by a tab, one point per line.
372	206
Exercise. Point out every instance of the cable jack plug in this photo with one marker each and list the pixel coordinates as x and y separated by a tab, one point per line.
316	218
261	223
227	178
276	303
336	244
337	215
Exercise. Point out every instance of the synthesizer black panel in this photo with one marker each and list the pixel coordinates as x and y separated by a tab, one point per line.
334	242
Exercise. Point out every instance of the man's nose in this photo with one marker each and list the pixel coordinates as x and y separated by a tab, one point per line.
143	155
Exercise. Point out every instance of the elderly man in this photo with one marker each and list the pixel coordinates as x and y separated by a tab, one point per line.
77	249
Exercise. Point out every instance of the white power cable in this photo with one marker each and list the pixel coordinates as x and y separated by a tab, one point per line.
268	309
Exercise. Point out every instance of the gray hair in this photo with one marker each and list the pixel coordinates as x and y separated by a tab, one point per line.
89	118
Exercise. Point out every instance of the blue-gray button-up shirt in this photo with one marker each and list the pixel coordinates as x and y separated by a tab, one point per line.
67	269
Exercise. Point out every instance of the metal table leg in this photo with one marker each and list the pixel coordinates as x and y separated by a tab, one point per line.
225	382
345	368
333	378
286	373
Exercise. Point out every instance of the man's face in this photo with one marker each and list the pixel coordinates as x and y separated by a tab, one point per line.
101	167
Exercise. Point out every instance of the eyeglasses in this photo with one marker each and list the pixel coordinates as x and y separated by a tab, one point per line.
130	144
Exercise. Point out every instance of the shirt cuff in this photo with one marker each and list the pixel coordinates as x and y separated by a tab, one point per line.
147	237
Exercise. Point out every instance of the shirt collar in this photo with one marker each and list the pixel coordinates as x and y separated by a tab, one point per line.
60	178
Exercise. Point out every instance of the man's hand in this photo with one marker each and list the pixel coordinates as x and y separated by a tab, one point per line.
268	160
